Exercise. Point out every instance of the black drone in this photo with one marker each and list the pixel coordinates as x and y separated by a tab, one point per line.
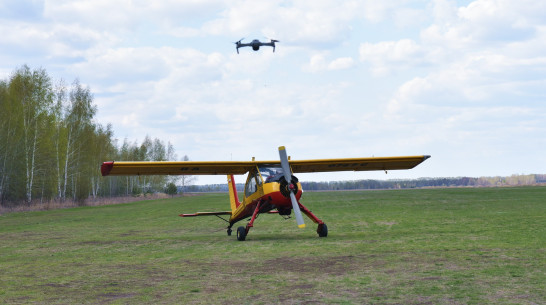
255	44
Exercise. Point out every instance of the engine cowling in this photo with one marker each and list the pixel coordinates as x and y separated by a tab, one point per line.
285	187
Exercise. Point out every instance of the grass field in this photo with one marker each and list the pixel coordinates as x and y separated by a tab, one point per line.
426	246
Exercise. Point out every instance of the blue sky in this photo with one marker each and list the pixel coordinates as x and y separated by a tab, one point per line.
463	81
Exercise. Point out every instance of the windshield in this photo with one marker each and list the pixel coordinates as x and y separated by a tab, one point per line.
270	172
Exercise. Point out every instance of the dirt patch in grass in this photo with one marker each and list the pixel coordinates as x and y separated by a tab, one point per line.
56	285
129	233
337	265
326	266
107	298
66	204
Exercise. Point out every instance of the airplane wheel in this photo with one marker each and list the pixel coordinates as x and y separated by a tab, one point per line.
241	233
322	230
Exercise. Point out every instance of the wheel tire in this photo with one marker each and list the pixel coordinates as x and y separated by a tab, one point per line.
322	230
241	233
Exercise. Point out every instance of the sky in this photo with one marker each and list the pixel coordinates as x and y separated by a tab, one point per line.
462	81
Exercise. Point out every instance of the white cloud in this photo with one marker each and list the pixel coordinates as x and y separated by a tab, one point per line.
387	55
126	16
300	23
484	24
341	63
318	63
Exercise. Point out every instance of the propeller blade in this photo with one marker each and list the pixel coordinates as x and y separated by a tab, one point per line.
238	44
288	176
271	39
297	211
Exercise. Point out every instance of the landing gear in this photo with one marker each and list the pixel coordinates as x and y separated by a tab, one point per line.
322	230
241	233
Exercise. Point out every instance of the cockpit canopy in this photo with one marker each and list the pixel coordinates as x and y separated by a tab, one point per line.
271	173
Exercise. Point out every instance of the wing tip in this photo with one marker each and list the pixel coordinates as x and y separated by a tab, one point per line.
106	168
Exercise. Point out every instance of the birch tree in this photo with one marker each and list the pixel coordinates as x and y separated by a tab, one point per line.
32	91
7	133
101	149
77	124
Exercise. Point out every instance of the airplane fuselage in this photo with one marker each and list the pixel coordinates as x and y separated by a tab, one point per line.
270	192
266	191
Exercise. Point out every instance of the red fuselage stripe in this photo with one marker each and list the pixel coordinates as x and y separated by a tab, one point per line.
235	195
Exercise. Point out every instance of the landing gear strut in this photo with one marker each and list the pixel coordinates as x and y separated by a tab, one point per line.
243	231
322	229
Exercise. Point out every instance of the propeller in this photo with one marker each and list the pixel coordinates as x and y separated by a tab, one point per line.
270	39
288	177
238	43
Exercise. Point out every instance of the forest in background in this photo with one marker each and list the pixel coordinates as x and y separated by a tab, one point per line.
51	146
498	181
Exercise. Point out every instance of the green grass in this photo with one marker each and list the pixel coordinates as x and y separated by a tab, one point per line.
455	246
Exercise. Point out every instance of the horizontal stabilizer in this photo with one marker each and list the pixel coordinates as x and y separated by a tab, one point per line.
205	214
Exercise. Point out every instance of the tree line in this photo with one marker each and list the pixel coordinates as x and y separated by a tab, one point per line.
513	180
51	147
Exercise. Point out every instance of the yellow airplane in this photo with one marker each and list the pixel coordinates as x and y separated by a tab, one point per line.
270	186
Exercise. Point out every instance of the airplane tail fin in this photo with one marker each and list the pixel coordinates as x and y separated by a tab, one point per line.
233	196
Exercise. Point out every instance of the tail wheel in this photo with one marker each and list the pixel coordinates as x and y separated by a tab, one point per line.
322	230
241	233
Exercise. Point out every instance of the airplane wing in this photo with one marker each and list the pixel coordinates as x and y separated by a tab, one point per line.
124	168
356	164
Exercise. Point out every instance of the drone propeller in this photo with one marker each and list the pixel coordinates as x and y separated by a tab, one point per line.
288	177
270	39
238	43
272	42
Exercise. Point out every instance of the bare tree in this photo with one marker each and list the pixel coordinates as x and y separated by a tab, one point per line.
186	180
